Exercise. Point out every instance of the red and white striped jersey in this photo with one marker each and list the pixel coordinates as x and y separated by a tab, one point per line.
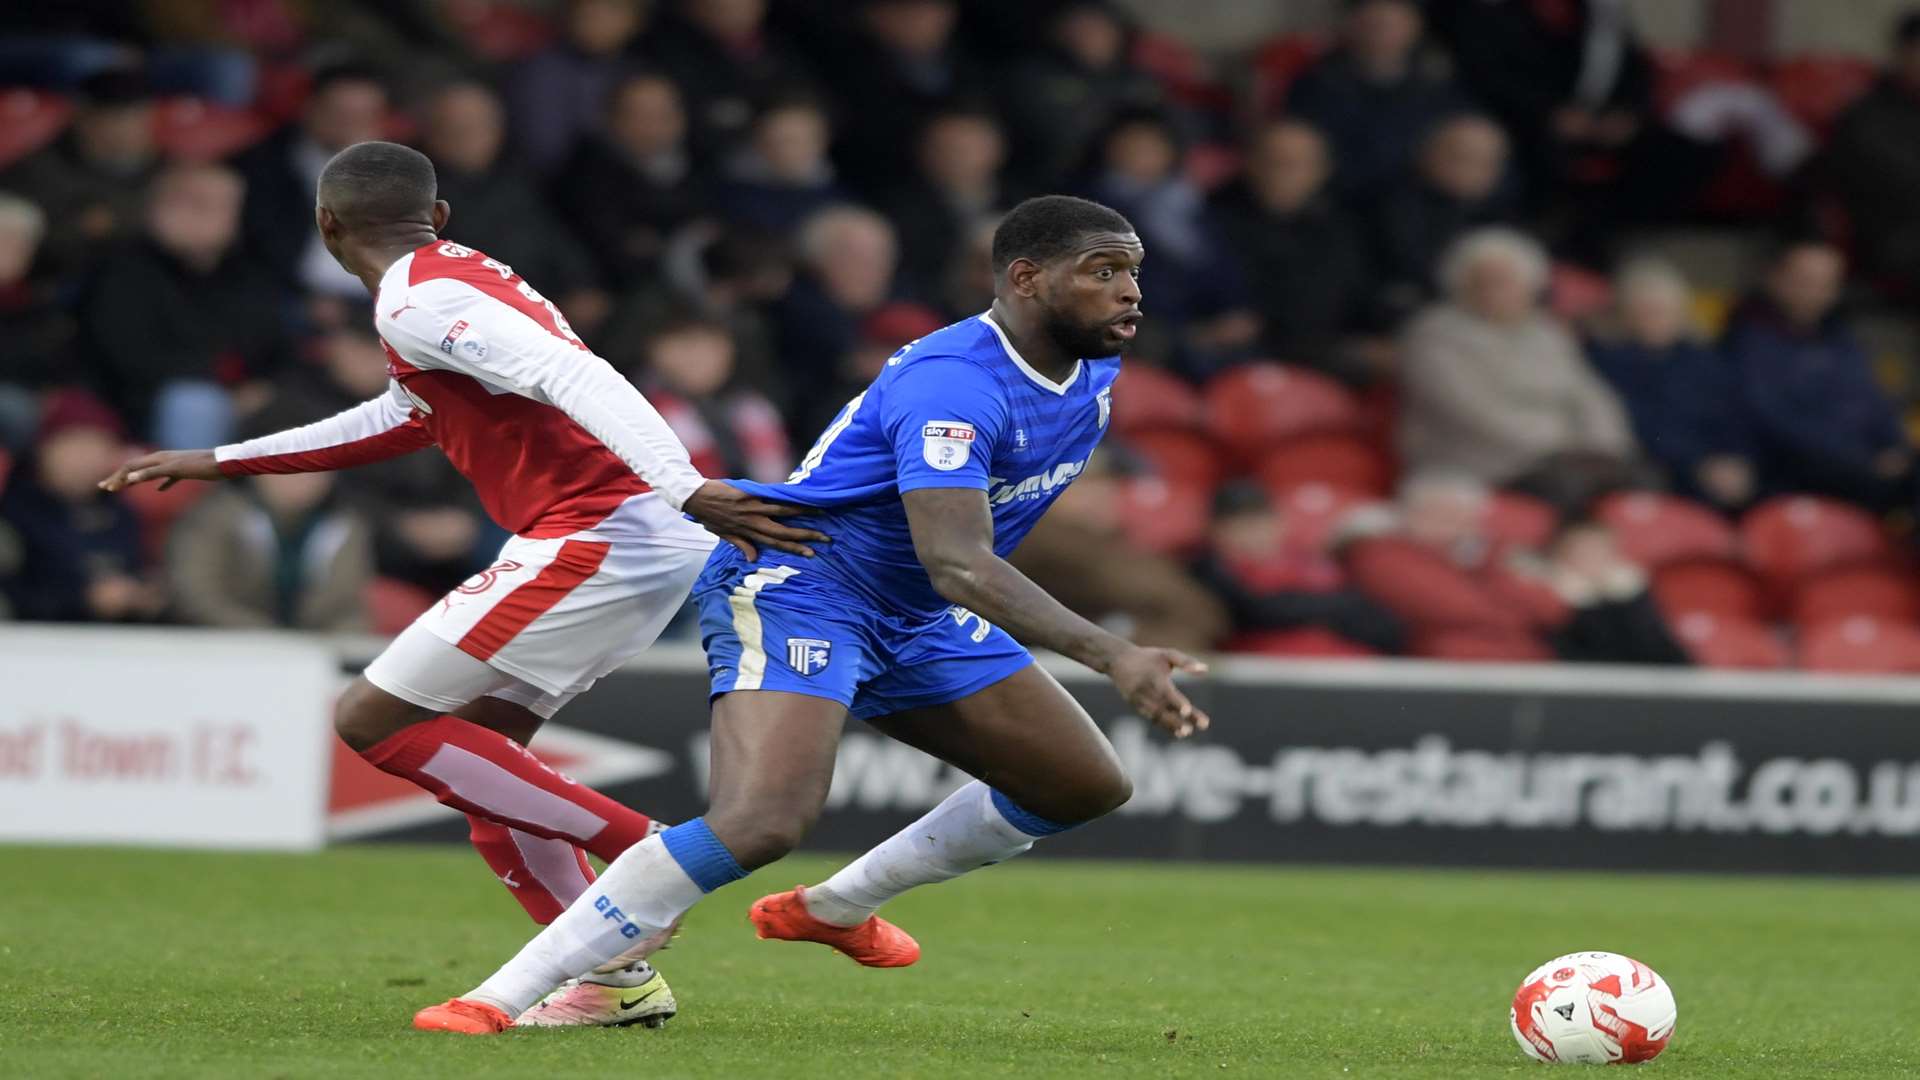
552	437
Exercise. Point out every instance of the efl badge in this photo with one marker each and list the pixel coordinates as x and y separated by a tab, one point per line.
1105	398
808	655
947	443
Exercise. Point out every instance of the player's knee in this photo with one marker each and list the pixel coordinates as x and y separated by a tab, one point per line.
1094	794
760	834
364	715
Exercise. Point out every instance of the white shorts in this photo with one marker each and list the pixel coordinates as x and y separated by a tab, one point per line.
550	616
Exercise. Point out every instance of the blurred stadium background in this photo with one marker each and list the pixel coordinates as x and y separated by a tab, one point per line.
1526	408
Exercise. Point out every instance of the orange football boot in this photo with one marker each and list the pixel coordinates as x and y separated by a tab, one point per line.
875	943
462	1016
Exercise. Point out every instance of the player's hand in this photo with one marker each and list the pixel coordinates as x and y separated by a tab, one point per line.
1144	676
167	466
747	521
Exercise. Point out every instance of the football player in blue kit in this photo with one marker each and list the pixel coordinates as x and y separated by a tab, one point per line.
908	618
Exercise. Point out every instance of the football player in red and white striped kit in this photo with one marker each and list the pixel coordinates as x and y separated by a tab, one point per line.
567	456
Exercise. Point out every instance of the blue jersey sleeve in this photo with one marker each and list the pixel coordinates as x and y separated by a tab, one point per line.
944	417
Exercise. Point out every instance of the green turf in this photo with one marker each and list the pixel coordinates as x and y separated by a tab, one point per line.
130	964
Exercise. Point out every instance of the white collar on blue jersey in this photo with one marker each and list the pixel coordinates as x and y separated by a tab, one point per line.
1026	369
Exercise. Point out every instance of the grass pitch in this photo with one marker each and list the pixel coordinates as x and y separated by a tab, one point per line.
124	964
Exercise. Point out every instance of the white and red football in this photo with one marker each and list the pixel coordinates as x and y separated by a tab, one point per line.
1593	1008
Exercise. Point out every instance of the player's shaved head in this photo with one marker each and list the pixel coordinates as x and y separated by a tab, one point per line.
374	184
1049	227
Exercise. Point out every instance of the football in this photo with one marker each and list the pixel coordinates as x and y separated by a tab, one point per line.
1593	1008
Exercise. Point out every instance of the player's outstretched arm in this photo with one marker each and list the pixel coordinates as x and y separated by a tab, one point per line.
953	537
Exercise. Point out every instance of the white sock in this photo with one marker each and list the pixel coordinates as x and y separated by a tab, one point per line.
641	894
966	832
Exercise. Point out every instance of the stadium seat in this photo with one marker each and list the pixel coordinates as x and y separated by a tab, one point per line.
392	605
1654	529
1677	71
1146	397
1314	511
496	31
1817	87
6	468
1520	520
1277	64
282	89
29	119
1861	645
1714	586
197	130
1838	594
1180	70
1181	458
1304	641
1792	536
1164	518
1254	407
1481	646
1340	461
1726	641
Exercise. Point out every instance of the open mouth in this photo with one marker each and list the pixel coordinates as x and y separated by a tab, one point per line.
1126	326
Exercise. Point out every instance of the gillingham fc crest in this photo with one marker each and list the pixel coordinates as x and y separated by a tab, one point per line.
808	655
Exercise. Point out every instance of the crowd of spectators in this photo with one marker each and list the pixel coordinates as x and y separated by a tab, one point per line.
747	205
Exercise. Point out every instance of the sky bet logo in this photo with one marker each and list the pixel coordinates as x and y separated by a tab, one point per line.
607	911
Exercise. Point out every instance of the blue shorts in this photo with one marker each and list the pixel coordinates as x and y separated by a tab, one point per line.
792	628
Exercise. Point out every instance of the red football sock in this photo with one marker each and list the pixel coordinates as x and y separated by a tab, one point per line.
481	772
543	875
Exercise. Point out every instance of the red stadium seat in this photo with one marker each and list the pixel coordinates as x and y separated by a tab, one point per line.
1147	397
1481	646
1521	520
282	90
1314	511
1181	458
1790	537
1164	518
198	130
1180	69
1677	71
1653	530
498	31
1817	88
1839	594
1725	641
1340	461
392	605
29	119
1305	641
1714	586
1278	63
1254	407
1861	645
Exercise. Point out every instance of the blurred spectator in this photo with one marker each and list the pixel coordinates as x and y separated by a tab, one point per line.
1056	101
957	187
908	66
1080	554
1568	78
1679	393
1873	162
782	176
1458	186
729	429
1376	97
558	95
966	285
1305	261
725	59
497	209
348	104
268	551
1193	283
182	312
1494	387
1433	563
1824	425
1611	614
70	552
847	259
36	331
627	189
428	528
93	180
1270	581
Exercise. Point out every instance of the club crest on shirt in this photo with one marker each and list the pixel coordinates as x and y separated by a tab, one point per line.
808	655
946	444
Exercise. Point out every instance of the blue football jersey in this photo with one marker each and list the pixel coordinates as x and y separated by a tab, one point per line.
958	408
